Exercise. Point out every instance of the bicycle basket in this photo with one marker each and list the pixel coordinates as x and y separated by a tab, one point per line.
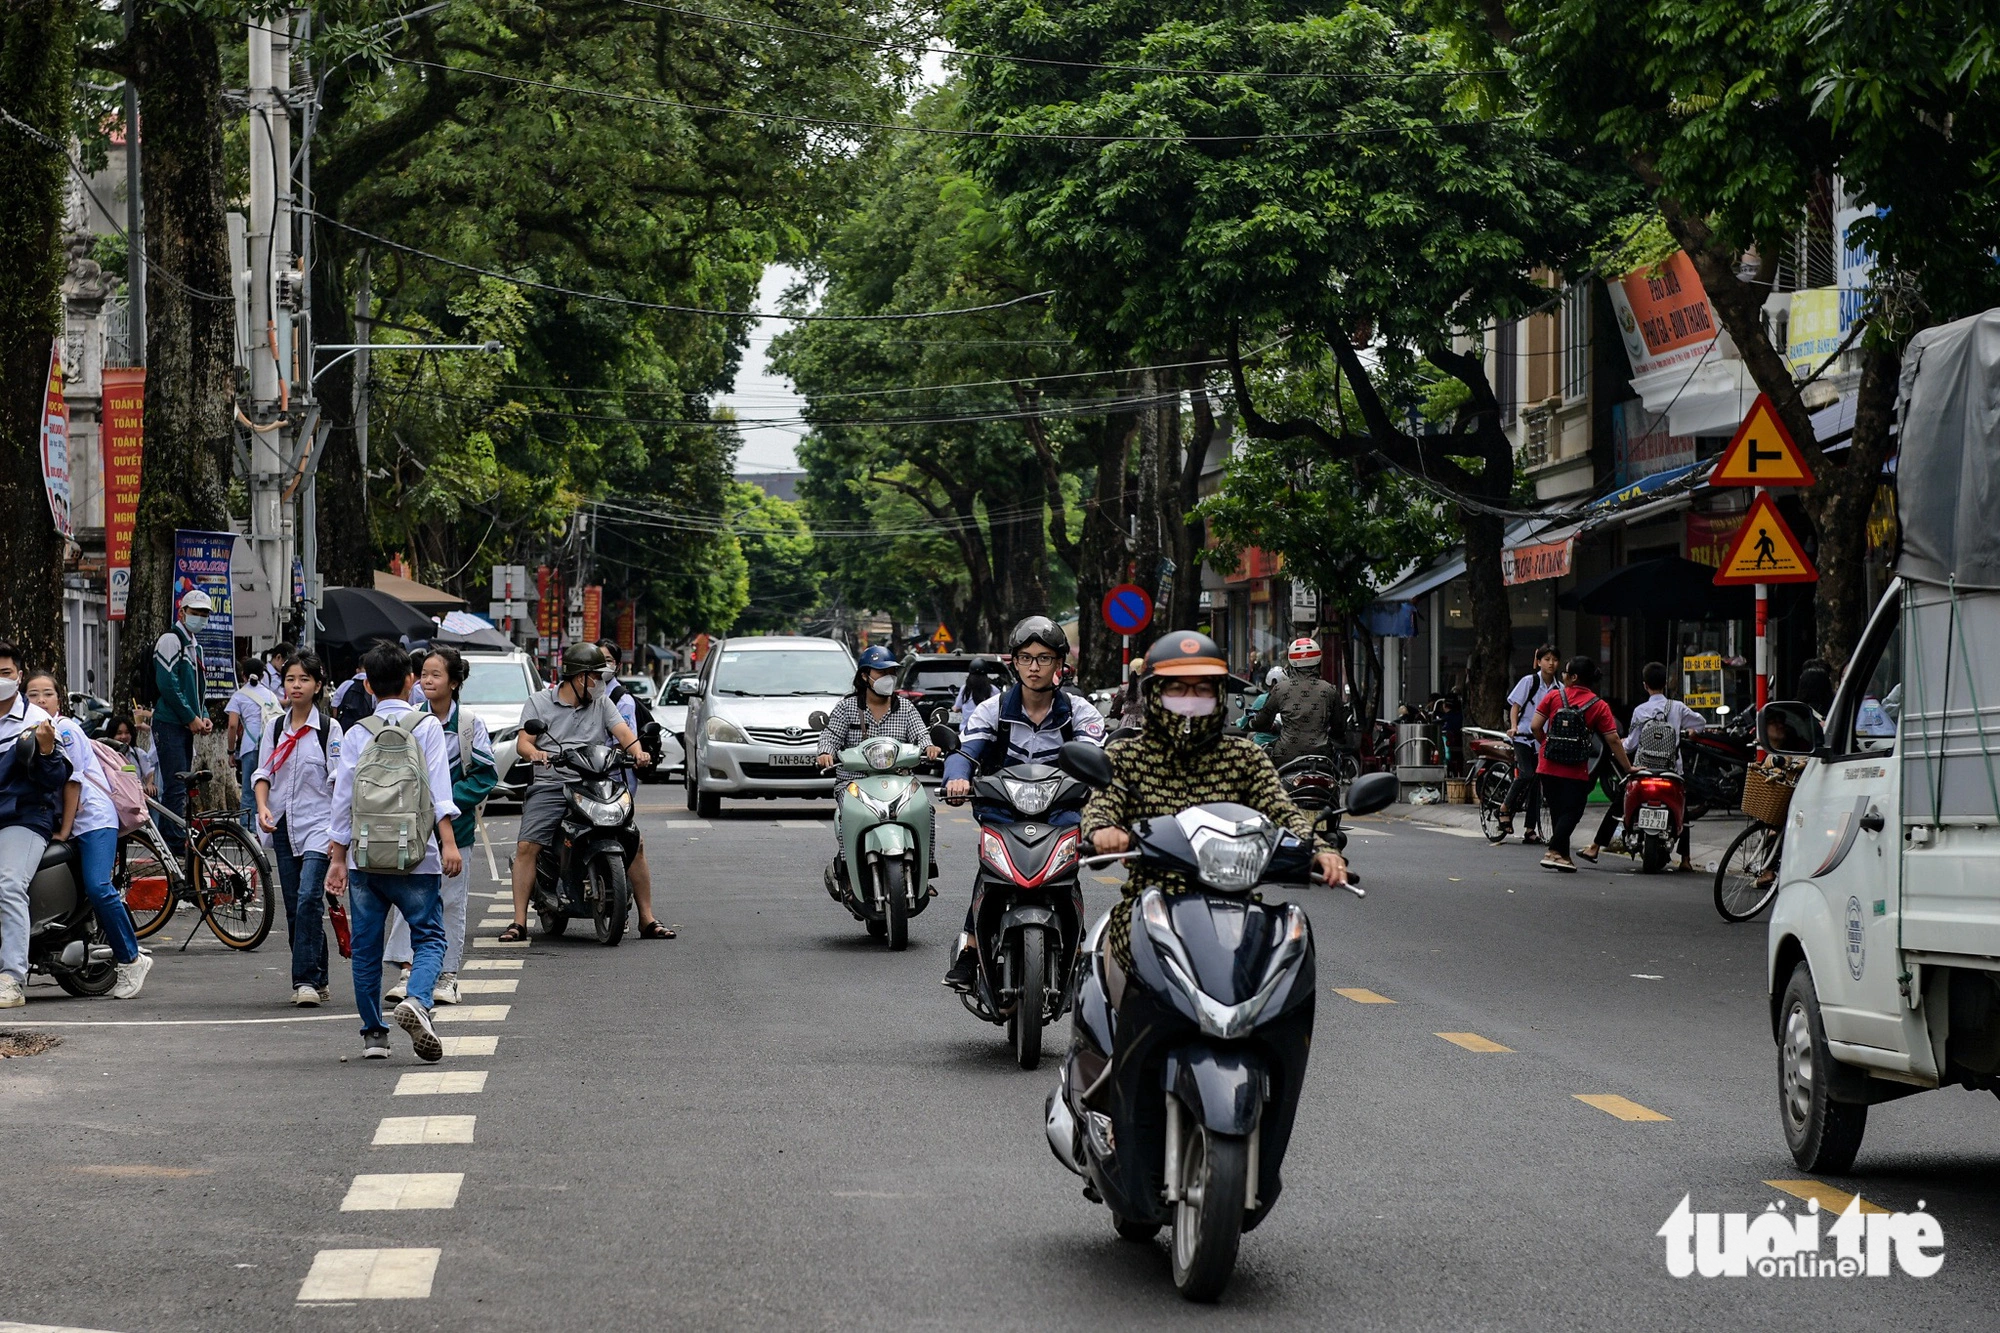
1767	794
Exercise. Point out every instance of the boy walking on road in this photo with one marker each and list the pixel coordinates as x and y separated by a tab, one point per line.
390	843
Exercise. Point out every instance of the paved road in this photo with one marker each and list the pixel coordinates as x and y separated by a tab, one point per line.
771	1123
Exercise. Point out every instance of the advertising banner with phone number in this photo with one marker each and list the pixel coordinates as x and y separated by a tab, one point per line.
201	560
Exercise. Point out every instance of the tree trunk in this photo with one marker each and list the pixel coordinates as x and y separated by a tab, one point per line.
37	40
1100	563
190	389
346	541
1839	503
1492	628
1146	544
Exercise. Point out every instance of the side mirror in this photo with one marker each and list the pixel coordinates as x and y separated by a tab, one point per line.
534	726
1371	792
692	689
817	719
1789	727
1086	763
945	738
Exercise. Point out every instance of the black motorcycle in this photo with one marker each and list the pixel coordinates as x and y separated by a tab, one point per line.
1027	903
1715	762
586	871
1176	1103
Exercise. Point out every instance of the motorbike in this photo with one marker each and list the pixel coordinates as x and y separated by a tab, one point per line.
64	940
886	822
586	872
1027	907
1716	760
1492	771
1655	812
1177	1098
1312	781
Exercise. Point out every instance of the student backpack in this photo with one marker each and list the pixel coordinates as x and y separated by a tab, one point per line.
1566	740
392	814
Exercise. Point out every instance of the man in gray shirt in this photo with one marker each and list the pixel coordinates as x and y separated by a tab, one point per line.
576	712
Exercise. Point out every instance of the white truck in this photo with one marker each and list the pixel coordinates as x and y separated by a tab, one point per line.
1884	948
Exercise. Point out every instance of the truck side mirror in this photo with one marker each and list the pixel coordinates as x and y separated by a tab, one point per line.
1789	727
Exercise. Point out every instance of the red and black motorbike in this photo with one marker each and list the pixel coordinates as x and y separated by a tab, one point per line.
1655	814
1716	761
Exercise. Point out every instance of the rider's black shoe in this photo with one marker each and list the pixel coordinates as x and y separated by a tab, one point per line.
963	972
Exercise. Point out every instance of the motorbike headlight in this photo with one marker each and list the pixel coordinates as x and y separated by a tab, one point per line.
880	754
1031	798
1232	862
722	729
605	813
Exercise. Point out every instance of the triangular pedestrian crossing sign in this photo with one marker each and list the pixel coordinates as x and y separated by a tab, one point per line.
1765	551
1762	453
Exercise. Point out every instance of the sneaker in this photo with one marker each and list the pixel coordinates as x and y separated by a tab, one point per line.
401	990
11	994
306	997
446	990
131	976
414	1019
962	973
374	1045
325	994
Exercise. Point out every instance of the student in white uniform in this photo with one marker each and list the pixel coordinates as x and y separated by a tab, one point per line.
293	789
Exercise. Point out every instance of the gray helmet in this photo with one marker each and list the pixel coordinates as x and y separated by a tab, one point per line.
1042	630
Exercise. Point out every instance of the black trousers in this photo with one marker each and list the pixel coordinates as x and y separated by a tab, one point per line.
1526	793
1566	797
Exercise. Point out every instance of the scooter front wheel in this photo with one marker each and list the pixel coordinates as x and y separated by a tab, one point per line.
1026	1026
612	901
895	904
1208	1218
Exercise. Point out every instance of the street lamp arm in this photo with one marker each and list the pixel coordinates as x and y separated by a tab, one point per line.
349	349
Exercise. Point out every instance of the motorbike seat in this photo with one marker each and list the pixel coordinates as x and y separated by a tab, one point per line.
197	776
57	854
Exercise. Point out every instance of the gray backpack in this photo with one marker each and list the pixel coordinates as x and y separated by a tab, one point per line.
1659	745
392	812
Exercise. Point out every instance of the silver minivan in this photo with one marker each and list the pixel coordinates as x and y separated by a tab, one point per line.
750	729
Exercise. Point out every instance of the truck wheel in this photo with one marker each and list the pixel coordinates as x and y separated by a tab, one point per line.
1823	1134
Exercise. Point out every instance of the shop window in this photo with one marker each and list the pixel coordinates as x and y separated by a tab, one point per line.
1507	369
1538	437
1576	342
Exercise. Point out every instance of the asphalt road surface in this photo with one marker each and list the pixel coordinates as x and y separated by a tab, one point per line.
771	1122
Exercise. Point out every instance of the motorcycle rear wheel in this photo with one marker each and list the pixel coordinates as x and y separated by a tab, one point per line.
92	979
1653	854
553	923
895	903
613	901
1208	1218
1026	1027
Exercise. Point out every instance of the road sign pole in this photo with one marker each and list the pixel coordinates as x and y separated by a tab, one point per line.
1125	662
1763	639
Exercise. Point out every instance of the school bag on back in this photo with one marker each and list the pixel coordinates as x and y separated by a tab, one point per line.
1659	745
120	785
1566	740
392	813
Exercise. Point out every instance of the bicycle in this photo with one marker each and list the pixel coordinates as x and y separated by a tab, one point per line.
1746	879
1493	819
218	855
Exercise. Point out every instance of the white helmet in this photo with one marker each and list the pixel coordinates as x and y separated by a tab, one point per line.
1303	655
1273	676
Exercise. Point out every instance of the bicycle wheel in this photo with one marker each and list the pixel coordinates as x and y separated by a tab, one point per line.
235	887
1746	879
148	879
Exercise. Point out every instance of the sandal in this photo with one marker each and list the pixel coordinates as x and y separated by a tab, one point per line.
1587	854
516	933
1533	840
653	930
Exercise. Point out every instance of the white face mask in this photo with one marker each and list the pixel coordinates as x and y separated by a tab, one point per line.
196	622
8	689
1189	705
883	685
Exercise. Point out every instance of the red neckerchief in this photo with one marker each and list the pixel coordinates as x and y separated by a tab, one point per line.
283	750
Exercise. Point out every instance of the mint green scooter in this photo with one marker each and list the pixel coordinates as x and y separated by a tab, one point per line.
886	822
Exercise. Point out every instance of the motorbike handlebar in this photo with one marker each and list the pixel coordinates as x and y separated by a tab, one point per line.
1353	884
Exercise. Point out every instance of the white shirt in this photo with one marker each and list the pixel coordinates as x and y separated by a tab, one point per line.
256	705
1659	705
302	790
93	806
20	716
430	738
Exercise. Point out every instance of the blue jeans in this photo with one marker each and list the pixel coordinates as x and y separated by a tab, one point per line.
98	851
175	746
370	895
303	882
245	766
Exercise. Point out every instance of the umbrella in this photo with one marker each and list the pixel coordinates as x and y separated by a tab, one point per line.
1669	588
478	634
357	617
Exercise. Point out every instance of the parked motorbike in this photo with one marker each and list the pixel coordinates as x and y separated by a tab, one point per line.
886	822
1312	781
1176	1105
1027	904
1655	813
1715	761
1492	770
586	871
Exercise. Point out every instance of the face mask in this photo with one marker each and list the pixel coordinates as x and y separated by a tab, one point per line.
196	622
1188	705
884	686
8	689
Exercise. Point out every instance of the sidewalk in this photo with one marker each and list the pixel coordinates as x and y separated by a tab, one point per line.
1708	838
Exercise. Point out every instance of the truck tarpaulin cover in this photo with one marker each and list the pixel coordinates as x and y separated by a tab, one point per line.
1948	476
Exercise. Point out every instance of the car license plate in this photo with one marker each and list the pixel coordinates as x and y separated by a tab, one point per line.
794	759
1653	819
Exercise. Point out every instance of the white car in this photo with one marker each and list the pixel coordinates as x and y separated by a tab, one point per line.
750	728
496	689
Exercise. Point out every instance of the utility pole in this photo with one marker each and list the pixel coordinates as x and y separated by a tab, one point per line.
275	289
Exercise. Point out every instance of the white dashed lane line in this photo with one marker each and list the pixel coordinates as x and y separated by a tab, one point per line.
471	1013
488	985
426	1082
490	965
396	1193
370	1275
470	1045
397	1130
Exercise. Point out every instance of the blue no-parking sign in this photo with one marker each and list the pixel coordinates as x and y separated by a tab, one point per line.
1127	609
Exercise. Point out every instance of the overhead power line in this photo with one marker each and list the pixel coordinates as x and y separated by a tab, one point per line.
640	99
663	306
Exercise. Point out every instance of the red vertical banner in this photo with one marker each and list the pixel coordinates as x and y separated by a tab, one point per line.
549	606
124	439
628	629
593	613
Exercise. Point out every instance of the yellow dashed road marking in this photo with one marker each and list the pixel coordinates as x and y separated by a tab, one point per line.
1362	995
1829	1198
1623	1107
1471	1041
